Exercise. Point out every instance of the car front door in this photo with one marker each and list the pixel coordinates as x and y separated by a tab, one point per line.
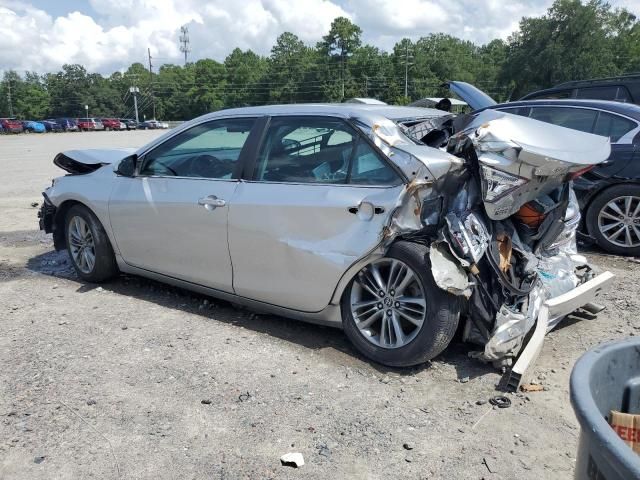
315	202
171	217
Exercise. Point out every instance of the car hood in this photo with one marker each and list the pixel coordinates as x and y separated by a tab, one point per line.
476	98
86	161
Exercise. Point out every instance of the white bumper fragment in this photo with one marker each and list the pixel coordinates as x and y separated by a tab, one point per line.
553	308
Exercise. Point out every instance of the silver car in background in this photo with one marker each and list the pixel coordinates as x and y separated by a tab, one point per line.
386	221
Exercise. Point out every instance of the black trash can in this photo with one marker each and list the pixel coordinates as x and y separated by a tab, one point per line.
604	379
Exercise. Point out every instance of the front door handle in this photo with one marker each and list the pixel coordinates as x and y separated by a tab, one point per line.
211	202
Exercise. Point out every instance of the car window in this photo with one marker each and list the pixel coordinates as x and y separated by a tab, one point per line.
613	126
611	92
319	150
209	150
581	119
551	95
522	111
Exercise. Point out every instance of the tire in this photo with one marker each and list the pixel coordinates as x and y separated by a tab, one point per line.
104	266
441	311
603	226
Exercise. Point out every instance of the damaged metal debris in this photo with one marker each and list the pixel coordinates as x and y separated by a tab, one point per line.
494	203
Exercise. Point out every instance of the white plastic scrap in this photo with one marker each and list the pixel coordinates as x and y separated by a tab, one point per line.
293	459
448	274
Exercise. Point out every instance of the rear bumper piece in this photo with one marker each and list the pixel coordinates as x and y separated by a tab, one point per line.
553	308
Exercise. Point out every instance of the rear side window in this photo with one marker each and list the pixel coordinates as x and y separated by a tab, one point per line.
611	92
576	118
522	111
320	150
613	126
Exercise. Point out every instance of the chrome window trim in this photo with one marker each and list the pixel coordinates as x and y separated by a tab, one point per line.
189	178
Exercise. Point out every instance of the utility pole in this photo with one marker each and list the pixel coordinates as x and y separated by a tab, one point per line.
153	98
343	53
406	71
135	91
184	42
9	98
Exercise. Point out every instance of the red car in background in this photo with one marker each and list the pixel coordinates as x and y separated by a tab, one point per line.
86	124
11	125
112	124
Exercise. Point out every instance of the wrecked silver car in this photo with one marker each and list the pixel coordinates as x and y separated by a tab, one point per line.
397	224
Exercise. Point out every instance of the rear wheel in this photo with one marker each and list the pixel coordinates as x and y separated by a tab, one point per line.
88	246
613	219
394	313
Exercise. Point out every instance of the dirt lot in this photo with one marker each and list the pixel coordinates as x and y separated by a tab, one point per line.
138	380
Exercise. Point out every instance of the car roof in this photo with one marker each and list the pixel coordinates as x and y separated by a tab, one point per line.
622	79
393	112
628	109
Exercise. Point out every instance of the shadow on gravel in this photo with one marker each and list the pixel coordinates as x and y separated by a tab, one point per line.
57	264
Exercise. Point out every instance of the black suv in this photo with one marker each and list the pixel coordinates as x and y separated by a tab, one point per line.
619	89
609	194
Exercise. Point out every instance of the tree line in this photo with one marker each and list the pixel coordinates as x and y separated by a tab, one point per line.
573	40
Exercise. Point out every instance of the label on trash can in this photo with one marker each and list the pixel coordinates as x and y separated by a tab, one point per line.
627	426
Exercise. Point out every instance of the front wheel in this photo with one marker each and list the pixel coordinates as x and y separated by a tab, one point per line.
613	219
394	313
88	246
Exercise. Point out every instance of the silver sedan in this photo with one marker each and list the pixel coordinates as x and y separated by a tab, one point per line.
332	214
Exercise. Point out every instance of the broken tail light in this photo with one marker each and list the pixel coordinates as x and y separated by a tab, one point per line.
496	183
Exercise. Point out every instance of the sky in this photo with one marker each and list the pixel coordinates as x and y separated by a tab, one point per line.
108	35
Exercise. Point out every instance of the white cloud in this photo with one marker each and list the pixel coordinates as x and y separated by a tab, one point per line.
119	31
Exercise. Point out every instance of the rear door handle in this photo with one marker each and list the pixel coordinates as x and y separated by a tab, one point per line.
376	209
211	202
366	211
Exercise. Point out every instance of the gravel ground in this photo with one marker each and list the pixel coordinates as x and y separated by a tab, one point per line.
136	380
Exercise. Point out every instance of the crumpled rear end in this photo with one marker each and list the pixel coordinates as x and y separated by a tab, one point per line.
496	205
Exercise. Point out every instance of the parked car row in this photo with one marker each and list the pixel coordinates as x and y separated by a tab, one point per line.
13	125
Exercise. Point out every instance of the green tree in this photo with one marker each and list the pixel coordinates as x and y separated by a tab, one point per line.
337	46
571	42
244	71
207	93
290	75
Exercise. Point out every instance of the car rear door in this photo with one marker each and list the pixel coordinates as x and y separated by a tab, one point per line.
171	217
315	201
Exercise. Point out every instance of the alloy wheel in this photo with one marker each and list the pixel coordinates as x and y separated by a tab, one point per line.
81	244
388	303
619	221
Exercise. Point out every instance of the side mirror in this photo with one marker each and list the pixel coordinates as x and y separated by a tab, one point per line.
127	166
